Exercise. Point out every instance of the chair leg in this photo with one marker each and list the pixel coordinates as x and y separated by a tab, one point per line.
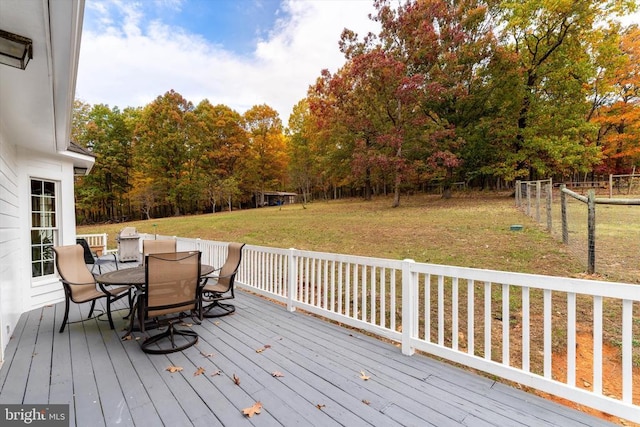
109	313
93	305
66	313
225	309
190	336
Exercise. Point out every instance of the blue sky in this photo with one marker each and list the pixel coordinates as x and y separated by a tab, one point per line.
239	53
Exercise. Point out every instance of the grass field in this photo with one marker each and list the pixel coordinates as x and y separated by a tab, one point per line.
471	230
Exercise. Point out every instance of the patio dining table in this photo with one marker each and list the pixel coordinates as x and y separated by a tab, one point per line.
136	276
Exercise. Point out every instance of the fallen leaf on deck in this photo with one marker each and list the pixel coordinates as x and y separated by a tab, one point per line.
260	350
218	372
173	369
364	376
320	406
186	324
366	402
236	379
252	410
277	374
198	371
127	338
206	355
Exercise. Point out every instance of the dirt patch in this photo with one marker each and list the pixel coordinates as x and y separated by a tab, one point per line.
611	377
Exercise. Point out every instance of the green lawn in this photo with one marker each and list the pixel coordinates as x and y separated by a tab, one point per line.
470	230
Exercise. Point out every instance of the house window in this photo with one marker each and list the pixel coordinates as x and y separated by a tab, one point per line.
44	226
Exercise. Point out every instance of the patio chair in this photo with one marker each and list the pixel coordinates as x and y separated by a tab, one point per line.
171	294
161	246
91	258
80	285
222	288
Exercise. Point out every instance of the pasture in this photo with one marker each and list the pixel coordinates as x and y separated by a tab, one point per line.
471	230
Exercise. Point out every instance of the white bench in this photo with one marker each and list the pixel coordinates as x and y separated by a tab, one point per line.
97	243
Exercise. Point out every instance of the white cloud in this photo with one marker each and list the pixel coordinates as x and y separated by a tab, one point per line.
131	62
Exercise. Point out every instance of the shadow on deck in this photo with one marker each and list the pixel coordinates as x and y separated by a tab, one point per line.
108	381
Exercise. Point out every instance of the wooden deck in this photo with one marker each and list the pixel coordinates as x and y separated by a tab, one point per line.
108	381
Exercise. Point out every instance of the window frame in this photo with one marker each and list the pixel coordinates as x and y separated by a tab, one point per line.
44	225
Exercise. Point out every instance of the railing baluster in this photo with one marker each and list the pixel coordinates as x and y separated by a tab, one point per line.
571	339
627	351
454	314
506	315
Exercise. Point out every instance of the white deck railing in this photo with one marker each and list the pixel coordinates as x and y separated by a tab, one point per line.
426	307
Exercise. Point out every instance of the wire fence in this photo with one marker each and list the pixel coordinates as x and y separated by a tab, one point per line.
604	236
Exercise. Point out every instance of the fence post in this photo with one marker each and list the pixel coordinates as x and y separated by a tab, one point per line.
538	191
563	210
518	194
292	291
591	259
528	209
409	307
549	203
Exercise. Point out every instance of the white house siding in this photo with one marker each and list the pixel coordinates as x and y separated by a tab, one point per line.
10	299
18	291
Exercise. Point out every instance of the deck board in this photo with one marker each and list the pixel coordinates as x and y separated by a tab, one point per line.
110	381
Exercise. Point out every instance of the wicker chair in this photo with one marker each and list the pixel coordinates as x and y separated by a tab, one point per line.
79	283
222	285
171	294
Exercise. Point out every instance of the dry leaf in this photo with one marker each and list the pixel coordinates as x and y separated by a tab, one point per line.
260	350
198	371
186	324
236	379
364	376
320	406
127	338
277	374
218	372
366	402
206	354
252	410
216	323
173	369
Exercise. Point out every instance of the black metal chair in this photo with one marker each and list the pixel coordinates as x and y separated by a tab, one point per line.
91	258
171	294
211	294
79	283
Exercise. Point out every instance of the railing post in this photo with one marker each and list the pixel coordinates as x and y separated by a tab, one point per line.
292	291
409	307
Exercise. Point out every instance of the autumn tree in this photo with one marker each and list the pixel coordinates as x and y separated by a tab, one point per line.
105	132
266	164
224	145
166	149
618	115
553	42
